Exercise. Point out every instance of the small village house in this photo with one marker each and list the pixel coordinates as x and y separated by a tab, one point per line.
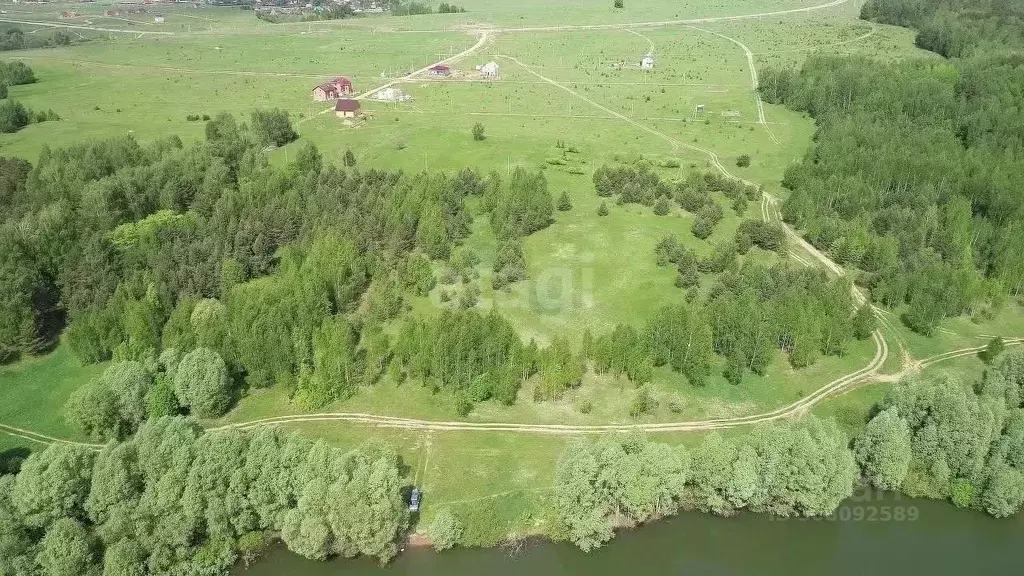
158	19
332	90
647	62
347	108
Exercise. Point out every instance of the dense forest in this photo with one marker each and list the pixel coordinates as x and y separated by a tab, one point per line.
942	438
915	176
201	271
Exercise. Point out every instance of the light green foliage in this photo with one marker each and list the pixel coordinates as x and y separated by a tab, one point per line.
201	383
308	159
643	402
560	369
113	405
445	531
209	323
272	127
68	550
178	332
937	437
53	484
864	322
335	373
883	450
595	481
176	500
1004	494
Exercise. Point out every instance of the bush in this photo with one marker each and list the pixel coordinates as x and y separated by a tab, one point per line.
478	132
564	203
743	160
643	402
584	406
702	227
619	4
602	210
445	531
662	207
16	73
961	492
13	116
992	351
463	404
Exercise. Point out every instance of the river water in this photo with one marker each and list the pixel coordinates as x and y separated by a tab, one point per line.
872	534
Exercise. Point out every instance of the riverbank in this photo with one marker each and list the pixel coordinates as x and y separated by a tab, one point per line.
901	536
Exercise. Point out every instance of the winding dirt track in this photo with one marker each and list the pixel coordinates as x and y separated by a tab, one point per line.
841	385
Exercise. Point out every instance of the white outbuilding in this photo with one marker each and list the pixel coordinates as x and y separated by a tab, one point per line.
647	62
489	70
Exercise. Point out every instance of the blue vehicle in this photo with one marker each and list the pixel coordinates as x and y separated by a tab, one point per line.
414	500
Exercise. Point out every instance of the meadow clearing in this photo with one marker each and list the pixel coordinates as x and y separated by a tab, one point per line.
582	88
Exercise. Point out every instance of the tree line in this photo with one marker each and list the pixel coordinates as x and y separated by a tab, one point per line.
174	499
14	38
799	469
954	28
915	175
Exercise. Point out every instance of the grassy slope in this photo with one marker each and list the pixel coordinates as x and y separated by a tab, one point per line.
33	391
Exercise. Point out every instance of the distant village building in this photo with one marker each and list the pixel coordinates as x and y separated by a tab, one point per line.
158	19
347	108
391	94
647	62
439	70
332	90
489	70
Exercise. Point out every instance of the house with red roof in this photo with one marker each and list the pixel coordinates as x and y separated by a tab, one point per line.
439	70
332	90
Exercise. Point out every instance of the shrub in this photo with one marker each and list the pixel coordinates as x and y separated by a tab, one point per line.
743	160
445	531
602	210
643	402
662	207
478	132
463	404
13	116
564	203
